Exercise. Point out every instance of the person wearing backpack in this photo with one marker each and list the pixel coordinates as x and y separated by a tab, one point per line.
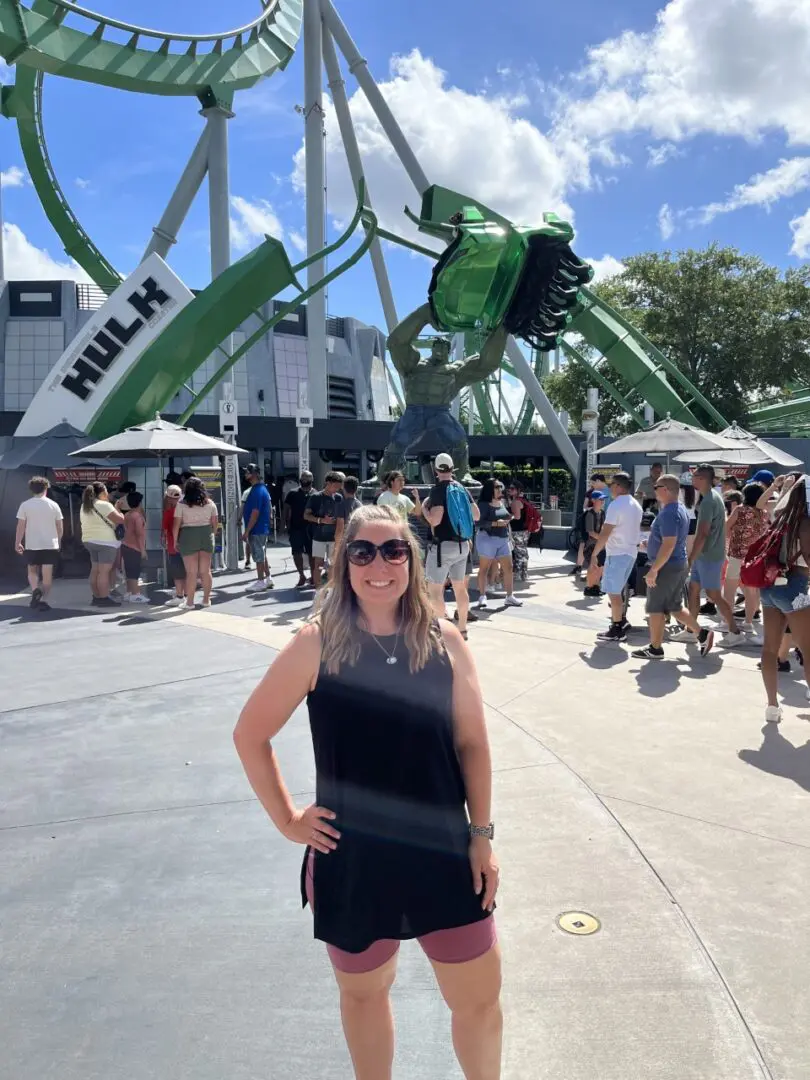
451	514
526	523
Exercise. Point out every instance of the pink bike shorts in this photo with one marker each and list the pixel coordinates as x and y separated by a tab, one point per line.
458	945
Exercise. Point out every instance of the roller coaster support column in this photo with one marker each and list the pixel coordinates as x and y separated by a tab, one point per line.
337	87
544	407
165	232
359	68
316	204
219	206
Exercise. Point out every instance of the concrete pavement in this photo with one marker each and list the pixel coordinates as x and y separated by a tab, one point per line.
149	916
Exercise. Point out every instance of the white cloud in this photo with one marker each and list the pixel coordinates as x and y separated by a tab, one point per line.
666	222
13	177
474	143
6	73
729	67
605	267
789	177
80	182
661	154
252	222
298	241
801	236
25	262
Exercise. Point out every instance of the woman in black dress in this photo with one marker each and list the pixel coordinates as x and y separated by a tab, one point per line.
399	840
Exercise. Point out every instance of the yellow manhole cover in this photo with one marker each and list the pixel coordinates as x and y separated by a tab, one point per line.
578	922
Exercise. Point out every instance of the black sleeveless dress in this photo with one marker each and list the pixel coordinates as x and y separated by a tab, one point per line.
386	765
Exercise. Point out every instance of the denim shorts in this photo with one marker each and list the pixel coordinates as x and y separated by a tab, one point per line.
258	546
492	547
781	597
708	574
617	573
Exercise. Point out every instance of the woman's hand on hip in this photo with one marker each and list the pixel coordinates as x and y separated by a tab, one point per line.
311	826
485	871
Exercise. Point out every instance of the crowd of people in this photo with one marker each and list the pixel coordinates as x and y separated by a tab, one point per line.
746	549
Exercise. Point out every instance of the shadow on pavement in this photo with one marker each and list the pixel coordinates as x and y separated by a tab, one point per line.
605	657
779	757
24	613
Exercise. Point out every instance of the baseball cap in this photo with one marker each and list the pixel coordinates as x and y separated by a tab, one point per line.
686	478
174	490
253	470
764	477
597	494
443	463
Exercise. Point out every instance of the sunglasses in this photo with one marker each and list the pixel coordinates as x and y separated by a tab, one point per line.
363	552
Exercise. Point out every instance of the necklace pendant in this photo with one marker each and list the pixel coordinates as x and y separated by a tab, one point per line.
391	660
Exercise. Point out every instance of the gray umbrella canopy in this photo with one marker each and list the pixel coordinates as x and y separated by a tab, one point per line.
666	437
158	439
743	449
51	450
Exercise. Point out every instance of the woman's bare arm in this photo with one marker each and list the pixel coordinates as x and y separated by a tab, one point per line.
285	685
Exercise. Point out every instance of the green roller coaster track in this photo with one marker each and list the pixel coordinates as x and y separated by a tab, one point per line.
37	41
41	38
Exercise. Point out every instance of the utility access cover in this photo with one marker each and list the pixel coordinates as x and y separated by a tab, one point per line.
578	922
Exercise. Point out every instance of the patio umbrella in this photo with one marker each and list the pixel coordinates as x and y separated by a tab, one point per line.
50	450
743	449
158	439
667	437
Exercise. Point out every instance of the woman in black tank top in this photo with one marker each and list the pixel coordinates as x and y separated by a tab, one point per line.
398	842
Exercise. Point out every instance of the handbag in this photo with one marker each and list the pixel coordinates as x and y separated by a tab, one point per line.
118	530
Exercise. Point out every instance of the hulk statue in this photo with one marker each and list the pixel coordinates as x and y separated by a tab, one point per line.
430	385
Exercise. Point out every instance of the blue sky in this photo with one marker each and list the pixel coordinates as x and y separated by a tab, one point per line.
653	125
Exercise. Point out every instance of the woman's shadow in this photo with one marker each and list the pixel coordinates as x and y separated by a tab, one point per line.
779	757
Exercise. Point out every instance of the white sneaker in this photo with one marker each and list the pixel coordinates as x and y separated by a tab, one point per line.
497	588
748	628
137	598
731	641
773	714
269	583
206	603
512	601
685	636
482	601
184	605
175	601
126	597
255	586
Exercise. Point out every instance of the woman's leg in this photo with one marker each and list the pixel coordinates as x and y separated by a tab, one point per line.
508	574
206	576
472	992
786	644
751	603
94	579
730	590
773	625
368	1024
192	565
483	574
104	572
800	629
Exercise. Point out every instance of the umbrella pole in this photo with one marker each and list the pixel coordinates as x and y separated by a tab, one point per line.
162	545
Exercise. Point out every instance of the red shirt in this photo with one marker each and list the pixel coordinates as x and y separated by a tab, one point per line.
167	528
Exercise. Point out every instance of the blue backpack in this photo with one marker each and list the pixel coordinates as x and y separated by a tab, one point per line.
457	524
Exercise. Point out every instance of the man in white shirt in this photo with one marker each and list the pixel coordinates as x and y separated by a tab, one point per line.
39	536
619	538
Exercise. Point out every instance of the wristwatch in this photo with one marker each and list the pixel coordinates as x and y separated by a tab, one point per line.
487	831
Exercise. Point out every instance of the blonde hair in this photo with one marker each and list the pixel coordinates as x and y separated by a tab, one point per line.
339	612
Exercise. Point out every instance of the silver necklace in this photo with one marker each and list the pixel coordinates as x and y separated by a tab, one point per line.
390	658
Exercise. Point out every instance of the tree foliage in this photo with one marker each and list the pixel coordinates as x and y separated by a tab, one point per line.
738	328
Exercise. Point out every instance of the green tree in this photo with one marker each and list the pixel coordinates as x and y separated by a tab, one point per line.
738	328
